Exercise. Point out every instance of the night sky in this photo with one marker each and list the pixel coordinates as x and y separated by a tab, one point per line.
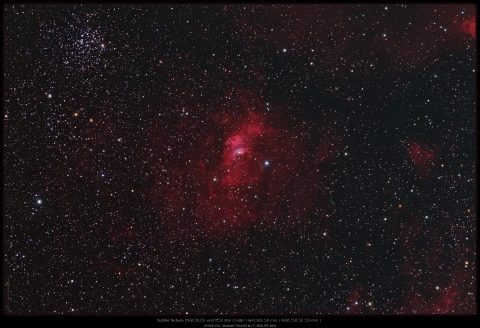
257	159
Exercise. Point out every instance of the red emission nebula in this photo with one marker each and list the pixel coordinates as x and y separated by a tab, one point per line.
422	157
241	168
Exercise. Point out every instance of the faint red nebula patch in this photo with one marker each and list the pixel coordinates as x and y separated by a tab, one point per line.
245	167
465	26
444	300
422	157
354	304
469	26
438	276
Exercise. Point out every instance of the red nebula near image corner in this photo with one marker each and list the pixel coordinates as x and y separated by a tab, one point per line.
470	26
465	25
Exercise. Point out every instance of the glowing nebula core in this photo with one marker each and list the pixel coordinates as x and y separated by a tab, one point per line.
243	153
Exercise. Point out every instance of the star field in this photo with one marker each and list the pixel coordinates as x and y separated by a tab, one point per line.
240	159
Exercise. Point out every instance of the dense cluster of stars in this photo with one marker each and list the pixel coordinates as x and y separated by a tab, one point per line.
239	159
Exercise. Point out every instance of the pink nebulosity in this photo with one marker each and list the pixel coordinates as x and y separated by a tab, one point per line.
422	158
465	25
469	27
